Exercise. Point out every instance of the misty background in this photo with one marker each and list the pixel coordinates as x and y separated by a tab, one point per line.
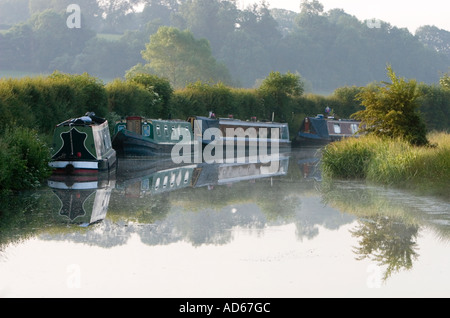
328	49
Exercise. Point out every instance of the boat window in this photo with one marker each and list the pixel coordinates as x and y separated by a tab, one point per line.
158	130
179	179
166	130
284	133
186	177
157	183
106	142
337	128
354	128
166	179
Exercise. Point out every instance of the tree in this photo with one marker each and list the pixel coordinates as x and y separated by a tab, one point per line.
435	38
277	89
159	86
390	110
52	38
346	100
445	81
179	57
211	19
90	10
312	7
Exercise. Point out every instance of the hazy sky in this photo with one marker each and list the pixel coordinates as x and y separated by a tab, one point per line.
401	13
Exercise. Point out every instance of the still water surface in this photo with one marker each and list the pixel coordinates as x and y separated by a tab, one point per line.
242	230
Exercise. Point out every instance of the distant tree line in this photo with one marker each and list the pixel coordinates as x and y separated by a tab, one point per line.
239	47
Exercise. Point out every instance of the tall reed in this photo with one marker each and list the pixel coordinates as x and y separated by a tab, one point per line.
388	161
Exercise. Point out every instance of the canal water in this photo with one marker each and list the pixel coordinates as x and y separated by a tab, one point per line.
246	230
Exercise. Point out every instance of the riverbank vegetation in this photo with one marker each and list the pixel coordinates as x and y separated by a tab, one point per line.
391	161
23	159
395	147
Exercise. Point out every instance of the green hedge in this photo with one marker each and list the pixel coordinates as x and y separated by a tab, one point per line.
42	102
24	159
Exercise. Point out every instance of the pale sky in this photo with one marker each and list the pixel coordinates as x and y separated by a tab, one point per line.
409	14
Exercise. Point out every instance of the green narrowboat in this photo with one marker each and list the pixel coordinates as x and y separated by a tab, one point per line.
138	136
82	145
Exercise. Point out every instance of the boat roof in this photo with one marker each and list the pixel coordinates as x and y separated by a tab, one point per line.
250	123
88	119
150	120
332	119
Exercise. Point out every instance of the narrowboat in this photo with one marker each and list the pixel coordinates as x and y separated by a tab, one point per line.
321	130
82	145
139	136
249	134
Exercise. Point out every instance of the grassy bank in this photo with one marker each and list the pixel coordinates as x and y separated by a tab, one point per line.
392	162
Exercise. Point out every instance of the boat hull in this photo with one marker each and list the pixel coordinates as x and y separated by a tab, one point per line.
81	167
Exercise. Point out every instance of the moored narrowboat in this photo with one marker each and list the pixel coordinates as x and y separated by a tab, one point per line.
82	145
251	133
256	131
139	136
323	130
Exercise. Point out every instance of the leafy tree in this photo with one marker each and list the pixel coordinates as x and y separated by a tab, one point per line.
181	58
277	89
391	110
445	81
158	10
119	14
159	86
312	7
346	100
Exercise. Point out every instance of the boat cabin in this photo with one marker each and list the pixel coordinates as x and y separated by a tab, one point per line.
161	131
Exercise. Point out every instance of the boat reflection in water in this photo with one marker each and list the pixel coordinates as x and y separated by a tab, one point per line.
84	200
138	177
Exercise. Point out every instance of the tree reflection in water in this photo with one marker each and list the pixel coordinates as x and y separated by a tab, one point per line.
388	241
